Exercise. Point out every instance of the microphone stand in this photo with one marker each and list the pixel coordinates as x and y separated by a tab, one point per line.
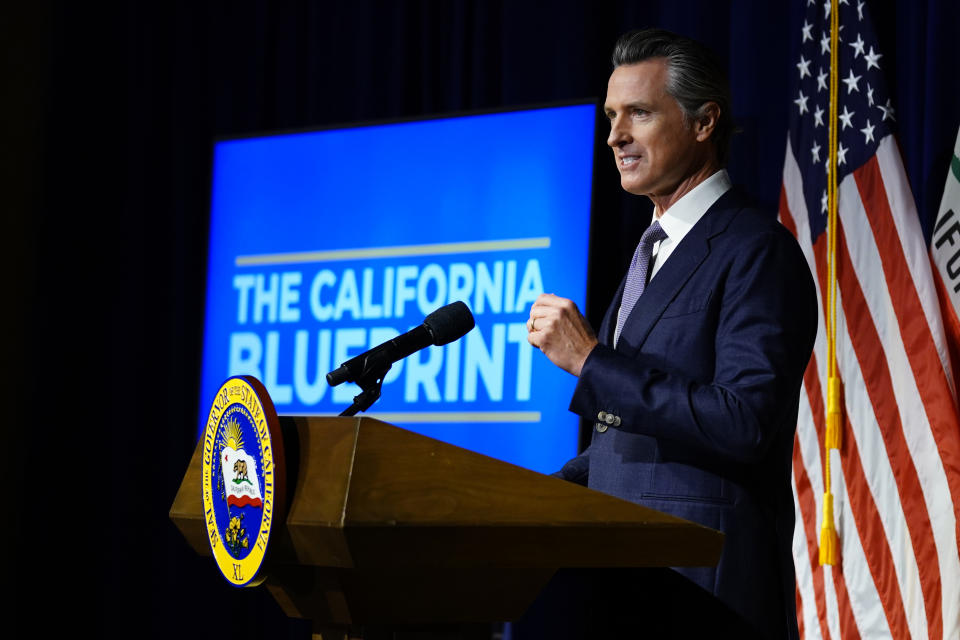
370	383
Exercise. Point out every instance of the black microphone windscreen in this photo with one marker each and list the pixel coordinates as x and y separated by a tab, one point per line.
449	323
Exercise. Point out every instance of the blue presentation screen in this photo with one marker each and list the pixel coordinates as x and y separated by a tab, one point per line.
325	244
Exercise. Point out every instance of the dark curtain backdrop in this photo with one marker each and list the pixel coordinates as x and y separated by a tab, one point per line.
109	116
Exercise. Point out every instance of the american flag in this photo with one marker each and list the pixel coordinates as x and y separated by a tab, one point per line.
896	477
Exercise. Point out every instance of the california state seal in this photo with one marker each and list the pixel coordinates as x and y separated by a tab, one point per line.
243	481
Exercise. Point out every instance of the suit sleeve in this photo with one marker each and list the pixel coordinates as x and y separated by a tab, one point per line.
764	329
577	469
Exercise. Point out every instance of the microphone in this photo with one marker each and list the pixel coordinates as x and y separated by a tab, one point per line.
444	325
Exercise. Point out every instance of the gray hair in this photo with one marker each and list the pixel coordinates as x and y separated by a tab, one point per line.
693	76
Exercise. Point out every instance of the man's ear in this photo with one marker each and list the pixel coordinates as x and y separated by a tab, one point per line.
706	120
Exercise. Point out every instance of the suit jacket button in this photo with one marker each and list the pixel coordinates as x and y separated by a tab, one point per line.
616	421
600	427
602	416
609	418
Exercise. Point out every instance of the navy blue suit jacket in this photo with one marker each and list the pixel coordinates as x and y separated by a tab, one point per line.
705	380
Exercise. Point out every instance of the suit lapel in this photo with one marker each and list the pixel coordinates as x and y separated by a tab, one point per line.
605	335
673	275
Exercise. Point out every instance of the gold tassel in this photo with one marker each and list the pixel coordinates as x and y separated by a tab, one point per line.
829	543
832	439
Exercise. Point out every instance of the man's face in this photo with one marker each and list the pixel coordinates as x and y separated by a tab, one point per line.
655	150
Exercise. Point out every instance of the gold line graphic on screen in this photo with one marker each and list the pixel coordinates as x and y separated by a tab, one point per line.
445	248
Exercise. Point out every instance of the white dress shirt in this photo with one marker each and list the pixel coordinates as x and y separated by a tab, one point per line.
686	212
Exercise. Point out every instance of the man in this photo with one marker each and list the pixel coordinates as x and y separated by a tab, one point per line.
694	381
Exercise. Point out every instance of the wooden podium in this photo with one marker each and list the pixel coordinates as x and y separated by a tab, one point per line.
386	526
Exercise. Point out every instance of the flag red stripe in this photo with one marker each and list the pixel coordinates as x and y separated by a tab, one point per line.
921	349
879	387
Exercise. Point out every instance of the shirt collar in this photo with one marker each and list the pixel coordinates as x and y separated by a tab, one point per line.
687	211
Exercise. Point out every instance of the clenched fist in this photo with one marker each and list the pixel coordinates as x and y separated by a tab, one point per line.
560	331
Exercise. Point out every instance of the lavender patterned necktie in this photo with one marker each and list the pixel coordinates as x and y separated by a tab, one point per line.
637	276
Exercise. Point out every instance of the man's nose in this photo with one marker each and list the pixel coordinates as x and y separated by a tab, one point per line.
619	133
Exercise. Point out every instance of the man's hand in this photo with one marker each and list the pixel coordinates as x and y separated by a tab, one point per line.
557	328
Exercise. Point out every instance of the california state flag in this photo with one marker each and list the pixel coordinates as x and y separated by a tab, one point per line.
239	472
945	252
